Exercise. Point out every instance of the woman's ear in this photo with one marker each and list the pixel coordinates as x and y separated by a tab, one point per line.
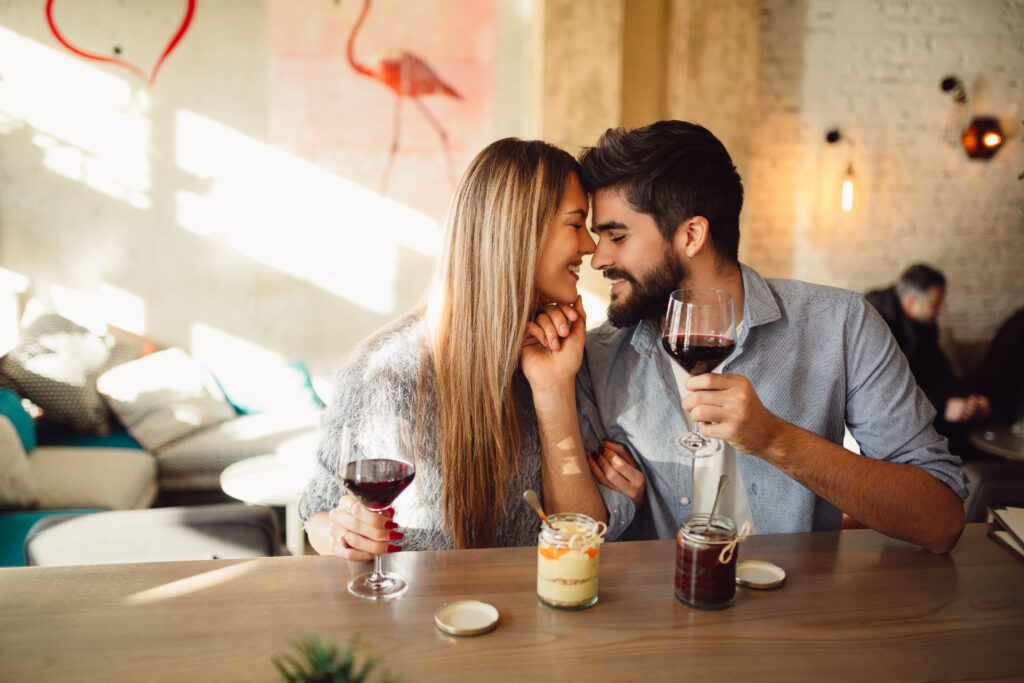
691	236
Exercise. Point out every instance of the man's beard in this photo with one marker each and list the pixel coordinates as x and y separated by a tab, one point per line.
648	296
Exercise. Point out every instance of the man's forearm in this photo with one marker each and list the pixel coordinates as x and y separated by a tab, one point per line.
897	499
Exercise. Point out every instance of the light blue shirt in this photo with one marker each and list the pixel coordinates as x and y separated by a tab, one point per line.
818	357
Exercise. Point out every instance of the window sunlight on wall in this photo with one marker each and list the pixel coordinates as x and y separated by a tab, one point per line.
287	213
91	128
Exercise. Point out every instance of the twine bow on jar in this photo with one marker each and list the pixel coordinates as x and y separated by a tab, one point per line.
730	547
582	540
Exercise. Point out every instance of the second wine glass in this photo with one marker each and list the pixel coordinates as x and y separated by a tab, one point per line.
699	332
376	463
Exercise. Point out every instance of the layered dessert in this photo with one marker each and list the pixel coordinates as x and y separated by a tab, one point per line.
567	563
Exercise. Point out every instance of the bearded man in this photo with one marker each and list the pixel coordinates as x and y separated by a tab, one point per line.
809	360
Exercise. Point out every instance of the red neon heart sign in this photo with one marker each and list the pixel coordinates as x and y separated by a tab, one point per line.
189	11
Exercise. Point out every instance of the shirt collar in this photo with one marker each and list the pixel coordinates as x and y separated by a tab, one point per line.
759	307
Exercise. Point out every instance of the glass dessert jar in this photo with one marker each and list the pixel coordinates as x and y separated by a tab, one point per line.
567	554
706	562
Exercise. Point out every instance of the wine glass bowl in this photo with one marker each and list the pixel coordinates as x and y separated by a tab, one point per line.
698	332
376	463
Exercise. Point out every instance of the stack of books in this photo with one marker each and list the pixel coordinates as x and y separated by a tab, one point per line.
1006	526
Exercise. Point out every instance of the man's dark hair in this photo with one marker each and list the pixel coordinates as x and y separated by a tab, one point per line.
673	171
918	279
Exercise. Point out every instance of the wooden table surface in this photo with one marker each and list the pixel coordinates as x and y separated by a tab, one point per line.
856	605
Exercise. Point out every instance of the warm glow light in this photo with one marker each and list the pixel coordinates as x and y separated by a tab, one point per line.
847	199
991	139
289	214
90	126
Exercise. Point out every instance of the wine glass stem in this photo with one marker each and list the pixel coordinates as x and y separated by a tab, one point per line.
378	570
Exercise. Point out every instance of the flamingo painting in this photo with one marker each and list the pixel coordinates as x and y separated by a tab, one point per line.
408	76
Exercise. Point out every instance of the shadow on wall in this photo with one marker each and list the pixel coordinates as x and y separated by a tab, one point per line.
196	223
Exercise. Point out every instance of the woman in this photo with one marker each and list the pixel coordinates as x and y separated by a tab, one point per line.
514	241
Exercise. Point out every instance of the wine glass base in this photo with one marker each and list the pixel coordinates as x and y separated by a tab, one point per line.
377	587
691	445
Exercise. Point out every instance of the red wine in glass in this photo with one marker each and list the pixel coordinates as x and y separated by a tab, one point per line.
698	353
376	463
698	332
376	482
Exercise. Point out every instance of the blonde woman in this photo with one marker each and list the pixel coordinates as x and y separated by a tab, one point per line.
474	374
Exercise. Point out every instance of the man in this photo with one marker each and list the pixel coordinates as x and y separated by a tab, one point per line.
911	308
808	360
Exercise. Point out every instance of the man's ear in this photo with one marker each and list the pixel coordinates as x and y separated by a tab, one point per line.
692	236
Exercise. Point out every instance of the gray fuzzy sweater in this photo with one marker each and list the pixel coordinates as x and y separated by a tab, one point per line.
381	378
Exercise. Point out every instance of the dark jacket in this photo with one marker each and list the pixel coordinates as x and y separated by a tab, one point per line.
920	344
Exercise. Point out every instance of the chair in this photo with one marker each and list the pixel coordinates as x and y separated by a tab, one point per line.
205	532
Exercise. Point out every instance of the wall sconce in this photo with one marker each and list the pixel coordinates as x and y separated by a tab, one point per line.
846	195
983	137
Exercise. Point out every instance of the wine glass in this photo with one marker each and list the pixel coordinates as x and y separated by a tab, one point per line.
376	463
699	332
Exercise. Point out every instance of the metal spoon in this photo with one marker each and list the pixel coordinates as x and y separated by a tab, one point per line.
530	496
722	481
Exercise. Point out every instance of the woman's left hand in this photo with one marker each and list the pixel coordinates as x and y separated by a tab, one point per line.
614	467
553	349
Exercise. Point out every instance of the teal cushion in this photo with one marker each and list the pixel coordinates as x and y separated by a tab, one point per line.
11	408
14	526
266	386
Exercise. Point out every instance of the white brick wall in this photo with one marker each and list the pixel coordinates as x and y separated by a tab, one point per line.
872	69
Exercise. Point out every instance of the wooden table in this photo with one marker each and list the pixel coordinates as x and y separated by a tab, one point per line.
856	606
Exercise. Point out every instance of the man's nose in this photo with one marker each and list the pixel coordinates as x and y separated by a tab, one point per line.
600	259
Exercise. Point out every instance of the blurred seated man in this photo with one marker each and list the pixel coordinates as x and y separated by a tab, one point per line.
911	308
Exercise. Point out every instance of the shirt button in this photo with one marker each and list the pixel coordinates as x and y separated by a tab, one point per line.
684	500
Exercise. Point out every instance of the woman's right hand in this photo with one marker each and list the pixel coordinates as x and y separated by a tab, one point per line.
354	532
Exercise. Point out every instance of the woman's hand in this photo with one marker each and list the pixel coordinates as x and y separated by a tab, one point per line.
358	534
614	467
553	348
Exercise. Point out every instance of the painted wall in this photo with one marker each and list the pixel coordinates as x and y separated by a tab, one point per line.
872	69
201	210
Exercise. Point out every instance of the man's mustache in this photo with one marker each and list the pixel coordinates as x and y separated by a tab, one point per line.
614	274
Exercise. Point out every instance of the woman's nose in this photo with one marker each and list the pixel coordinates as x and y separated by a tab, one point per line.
586	245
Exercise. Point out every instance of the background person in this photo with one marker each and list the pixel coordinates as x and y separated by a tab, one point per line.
911	308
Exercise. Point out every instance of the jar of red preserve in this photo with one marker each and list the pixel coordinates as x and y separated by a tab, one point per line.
706	561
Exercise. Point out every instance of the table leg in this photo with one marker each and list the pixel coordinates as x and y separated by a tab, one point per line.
294	534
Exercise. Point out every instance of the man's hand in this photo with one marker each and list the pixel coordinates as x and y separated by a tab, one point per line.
553	349
960	409
615	468
728	409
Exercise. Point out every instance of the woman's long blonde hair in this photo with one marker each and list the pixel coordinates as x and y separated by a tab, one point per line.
483	296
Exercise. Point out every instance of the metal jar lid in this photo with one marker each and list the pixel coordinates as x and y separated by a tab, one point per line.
759	574
466	617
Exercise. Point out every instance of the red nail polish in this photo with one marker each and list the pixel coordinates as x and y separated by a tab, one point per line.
606	440
394	548
390	525
396	536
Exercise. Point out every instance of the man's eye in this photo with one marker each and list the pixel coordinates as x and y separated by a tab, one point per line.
618	239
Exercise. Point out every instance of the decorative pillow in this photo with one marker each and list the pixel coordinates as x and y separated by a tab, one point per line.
164	396
56	365
17	485
24	425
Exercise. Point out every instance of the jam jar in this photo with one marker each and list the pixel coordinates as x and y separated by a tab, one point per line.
567	554
706	561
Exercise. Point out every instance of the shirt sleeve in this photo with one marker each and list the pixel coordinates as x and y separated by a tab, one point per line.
619	506
886	411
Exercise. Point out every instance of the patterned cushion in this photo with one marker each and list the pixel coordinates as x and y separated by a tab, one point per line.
163	397
56	365
17	485
195	462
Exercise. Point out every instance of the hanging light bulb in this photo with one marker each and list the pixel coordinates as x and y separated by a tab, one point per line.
846	202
